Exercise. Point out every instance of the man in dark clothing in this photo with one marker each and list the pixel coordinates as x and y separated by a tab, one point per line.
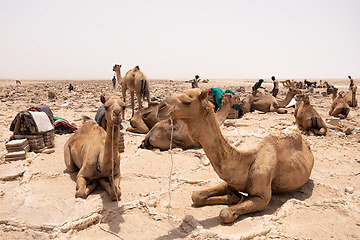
276	87
114	81
257	85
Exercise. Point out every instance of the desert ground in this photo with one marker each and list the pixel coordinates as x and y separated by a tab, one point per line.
37	195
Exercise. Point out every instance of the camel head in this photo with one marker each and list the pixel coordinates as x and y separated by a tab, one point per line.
114	109
116	68
294	91
246	103
341	94
165	107
228	97
334	91
303	98
189	103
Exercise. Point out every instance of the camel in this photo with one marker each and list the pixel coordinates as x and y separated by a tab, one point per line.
160	135
136	82
350	97
268	103
94	152
307	117
144	119
277	164
339	108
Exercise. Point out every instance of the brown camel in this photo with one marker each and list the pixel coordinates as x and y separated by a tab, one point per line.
307	117
145	118
160	135
268	103
339	108
350	97
136	82
277	164
94	152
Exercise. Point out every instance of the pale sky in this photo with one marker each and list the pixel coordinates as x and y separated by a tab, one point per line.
177	39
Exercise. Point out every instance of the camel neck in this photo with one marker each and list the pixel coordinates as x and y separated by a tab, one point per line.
283	103
118	75
111	146
222	114
206	131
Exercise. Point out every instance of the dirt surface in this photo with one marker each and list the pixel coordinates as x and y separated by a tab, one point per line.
37	195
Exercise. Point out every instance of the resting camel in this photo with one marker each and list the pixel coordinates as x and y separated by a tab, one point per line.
277	164
339	108
307	117
94	152
145	118
268	103
160	135
136	82
350	97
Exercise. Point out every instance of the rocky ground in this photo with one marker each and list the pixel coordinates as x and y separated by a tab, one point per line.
37	194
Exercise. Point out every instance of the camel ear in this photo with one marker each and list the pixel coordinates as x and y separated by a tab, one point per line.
102	98
203	95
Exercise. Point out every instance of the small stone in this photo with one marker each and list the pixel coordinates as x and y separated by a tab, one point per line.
349	190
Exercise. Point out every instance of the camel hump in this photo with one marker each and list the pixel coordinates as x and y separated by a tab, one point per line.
136	68
292	132
85	118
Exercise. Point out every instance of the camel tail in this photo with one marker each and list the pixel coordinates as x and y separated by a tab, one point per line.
145	143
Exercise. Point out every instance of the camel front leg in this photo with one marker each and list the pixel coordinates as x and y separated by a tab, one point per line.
220	194
109	186
253	203
278	110
84	189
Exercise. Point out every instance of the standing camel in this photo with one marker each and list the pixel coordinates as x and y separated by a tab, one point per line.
136	82
277	164
94	152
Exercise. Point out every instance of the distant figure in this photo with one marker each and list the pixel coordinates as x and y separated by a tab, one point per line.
71	87
114	81
275	89
256	86
351	82
195	82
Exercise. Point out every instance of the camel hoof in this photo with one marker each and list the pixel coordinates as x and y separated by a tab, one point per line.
113	196
227	216
80	195
197	199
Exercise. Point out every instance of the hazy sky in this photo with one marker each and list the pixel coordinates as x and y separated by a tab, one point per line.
178	39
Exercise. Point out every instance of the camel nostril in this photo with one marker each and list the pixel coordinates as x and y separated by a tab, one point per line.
117	112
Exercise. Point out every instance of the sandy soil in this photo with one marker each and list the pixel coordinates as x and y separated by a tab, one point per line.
37	194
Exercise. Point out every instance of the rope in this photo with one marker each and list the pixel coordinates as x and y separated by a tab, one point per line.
170	174
114	188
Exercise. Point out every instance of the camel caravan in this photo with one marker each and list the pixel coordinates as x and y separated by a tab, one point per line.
278	163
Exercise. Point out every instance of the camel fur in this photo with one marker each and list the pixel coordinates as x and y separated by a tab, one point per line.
307	117
94	152
268	103
144	119
277	164
136	82
339	108
160	135
350	97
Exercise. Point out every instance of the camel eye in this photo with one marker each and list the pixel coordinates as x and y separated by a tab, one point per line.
187	103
